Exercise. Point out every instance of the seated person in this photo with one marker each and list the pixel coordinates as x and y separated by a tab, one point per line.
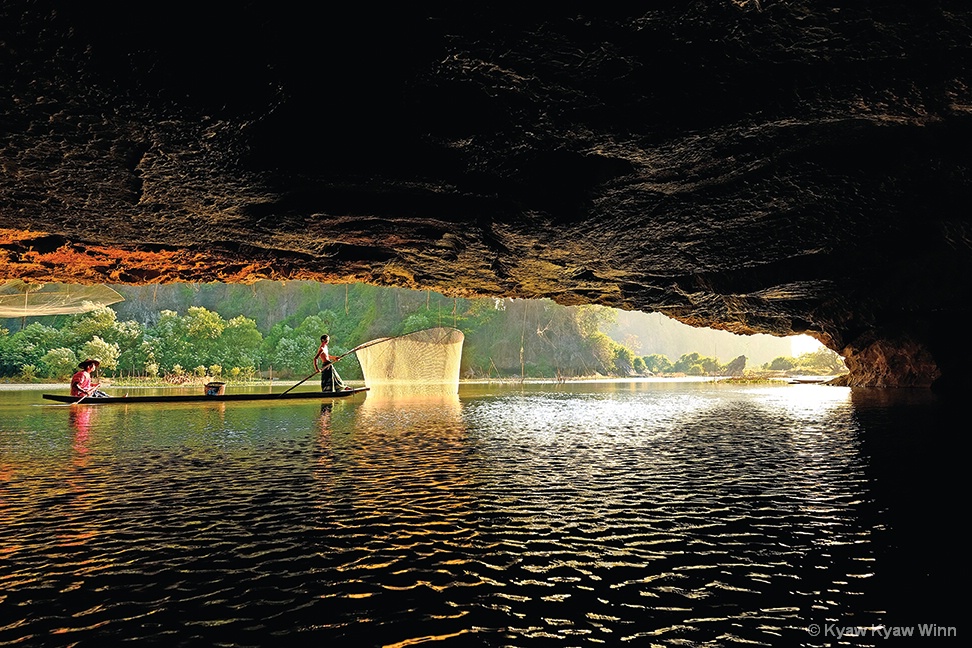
81	385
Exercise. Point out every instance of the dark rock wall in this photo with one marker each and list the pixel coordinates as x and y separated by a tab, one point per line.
780	167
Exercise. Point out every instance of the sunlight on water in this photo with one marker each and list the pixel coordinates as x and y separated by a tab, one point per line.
676	514
806	402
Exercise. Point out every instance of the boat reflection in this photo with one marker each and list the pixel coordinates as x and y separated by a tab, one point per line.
80	419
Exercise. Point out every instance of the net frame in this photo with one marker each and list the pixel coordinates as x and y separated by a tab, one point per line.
429	357
19	299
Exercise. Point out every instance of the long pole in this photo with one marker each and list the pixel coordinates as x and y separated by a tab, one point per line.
300	383
357	348
327	364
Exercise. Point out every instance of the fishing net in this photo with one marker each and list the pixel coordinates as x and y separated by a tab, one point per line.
429	357
22	299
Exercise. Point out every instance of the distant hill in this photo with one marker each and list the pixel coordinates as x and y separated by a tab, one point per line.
649	333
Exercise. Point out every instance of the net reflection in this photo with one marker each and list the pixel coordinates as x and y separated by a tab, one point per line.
415	426
395	509
411	400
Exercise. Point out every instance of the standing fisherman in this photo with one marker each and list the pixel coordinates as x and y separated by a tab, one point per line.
330	380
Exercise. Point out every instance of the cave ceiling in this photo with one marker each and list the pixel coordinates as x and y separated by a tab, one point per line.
760	167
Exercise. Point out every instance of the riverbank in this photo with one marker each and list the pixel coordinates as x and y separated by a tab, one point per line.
161	384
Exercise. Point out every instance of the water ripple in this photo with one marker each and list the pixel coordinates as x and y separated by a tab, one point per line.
698	517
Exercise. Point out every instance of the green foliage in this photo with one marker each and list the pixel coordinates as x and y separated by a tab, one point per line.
202	324
133	353
27	347
83	327
246	331
416	322
295	353
658	364
168	342
823	361
105	352
59	363
693	364
28	373
602	350
781	363
239	345
624	360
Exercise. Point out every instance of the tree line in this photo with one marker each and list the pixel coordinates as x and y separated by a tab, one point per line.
243	332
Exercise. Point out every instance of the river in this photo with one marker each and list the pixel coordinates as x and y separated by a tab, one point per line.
644	513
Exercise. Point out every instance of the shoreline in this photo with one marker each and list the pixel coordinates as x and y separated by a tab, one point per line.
13	386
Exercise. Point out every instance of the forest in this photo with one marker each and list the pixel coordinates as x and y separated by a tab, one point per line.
184	332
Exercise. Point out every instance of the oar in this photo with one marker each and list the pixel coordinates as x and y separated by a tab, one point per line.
86	395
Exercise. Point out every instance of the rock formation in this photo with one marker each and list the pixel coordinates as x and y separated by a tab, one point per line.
755	166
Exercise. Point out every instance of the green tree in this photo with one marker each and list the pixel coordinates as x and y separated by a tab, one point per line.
602	349
658	363
823	360
203	329
694	364
83	327
59	363
591	318
624	360
416	322
780	363
26	347
168	342
291	355
129	336
105	352
240	342
203	324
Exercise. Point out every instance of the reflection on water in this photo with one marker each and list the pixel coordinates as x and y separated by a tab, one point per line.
428	401
603	513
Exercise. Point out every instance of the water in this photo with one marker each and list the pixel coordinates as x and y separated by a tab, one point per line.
634	514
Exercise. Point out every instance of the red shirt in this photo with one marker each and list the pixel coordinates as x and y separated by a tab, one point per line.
81	384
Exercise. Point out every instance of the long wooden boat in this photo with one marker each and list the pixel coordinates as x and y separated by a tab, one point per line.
204	398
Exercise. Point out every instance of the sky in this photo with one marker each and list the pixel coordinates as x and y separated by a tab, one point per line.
803	344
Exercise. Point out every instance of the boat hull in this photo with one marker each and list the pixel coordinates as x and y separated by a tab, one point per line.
205	398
